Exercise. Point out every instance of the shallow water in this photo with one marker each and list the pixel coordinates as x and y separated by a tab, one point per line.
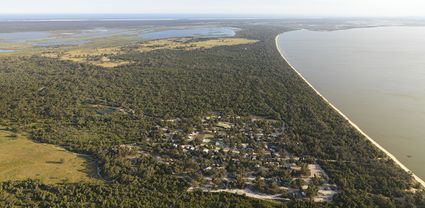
192	32
60	43
58	38
19	37
376	76
6	51
79	37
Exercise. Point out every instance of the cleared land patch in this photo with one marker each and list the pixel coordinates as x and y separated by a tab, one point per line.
191	44
98	56
105	57
21	158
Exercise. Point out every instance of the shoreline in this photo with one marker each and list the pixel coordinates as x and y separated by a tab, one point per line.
391	156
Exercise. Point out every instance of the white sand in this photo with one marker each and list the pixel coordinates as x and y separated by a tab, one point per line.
249	193
352	123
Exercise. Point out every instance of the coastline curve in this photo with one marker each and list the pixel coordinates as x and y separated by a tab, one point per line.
401	165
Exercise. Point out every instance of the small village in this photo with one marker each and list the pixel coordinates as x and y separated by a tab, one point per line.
235	154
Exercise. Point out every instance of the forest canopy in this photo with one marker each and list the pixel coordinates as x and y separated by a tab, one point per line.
105	112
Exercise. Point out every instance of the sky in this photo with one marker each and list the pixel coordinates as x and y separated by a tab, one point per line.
319	8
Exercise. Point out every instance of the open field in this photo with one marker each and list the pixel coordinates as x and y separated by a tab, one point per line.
21	158
104	56
97	56
191	44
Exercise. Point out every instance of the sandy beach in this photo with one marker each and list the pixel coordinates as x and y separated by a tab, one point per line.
352	123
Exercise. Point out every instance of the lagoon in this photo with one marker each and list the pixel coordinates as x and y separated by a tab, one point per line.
376	76
6	51
192	32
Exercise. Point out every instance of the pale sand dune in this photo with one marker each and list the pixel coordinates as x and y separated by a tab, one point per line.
352	123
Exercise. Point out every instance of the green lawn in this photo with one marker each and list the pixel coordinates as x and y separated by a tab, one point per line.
21	158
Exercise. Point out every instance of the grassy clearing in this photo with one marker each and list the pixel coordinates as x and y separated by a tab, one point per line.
191	44
21	158
104	56
97	56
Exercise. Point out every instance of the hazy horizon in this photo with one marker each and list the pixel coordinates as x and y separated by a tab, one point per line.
182	16
279	8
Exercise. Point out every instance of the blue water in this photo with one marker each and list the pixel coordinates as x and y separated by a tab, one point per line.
192	32
79	37
6	51
48	39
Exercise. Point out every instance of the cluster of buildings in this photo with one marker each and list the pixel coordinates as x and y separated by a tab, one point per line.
242	155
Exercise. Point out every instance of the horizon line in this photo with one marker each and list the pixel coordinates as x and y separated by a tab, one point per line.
224	15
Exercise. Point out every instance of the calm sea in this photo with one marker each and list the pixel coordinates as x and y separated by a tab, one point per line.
376	76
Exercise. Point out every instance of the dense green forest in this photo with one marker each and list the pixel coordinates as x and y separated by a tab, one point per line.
50	99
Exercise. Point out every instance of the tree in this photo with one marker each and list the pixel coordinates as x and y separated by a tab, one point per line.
311	191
